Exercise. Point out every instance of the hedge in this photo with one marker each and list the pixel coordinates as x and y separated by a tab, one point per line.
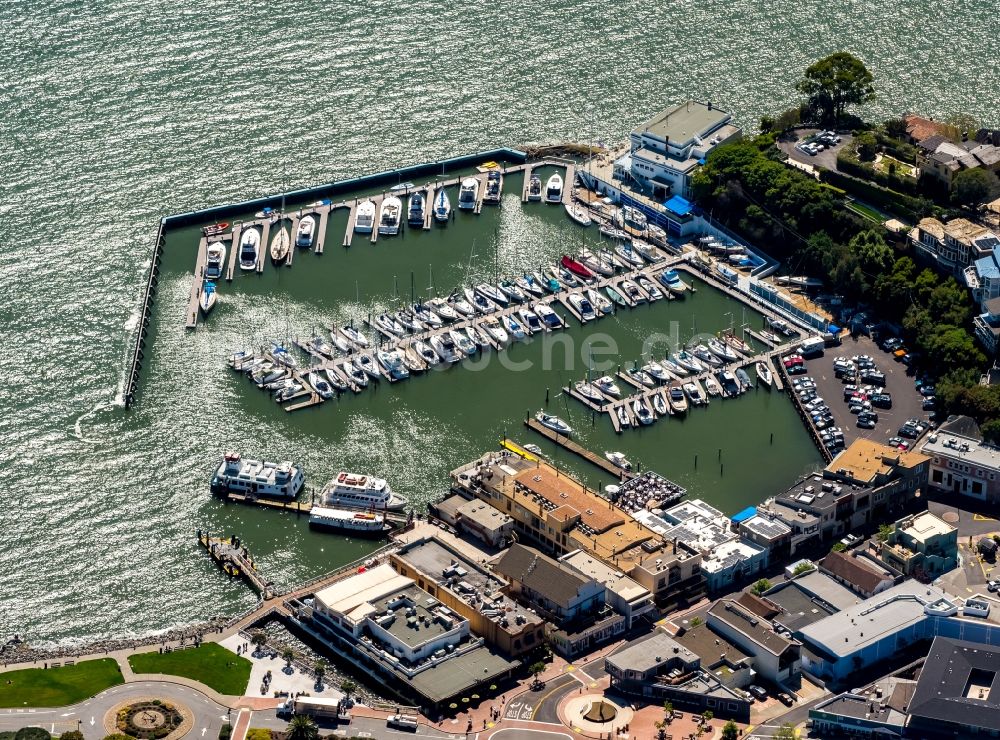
904	205
852	166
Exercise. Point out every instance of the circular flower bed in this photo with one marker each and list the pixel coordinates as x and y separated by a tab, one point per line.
148	720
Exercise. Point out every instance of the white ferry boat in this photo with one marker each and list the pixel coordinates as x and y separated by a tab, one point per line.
256	478
356	491
357	523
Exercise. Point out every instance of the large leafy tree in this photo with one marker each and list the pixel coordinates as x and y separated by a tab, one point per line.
975	186
835	82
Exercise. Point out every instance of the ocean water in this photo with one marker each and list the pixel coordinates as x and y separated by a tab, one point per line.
115	114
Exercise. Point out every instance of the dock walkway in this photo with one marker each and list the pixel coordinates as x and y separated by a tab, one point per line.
568	444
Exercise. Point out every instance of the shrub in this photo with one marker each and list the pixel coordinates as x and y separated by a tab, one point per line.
32	733
225	731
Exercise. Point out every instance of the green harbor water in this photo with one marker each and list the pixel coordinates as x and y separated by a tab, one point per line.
117	114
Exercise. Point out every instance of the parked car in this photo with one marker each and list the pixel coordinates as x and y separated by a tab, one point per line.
757	692
993	586
882	400
785	698
927	390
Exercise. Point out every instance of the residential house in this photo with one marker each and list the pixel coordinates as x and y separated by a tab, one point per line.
624	595
954	245
987	324
962	462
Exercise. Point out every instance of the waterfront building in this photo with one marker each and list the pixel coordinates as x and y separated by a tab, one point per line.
385	622
892	624
574	605
920	546
472	591
867	483
957	693
953	246
770	533
659	669
962	462
653	171
725	558
857	572
941	159
476	517
775	657
554	511
624	595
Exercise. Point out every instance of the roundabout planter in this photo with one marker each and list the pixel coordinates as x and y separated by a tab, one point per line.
149	718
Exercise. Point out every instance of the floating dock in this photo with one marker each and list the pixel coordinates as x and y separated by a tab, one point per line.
568	444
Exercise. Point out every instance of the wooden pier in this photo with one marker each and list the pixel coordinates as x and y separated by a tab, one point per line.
324	219
265	247
197	285
567	444
527	181
377	200
234	249
349	234
235	560
480	194
292	248
428	207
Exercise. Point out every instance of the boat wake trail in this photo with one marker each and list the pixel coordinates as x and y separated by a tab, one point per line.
78	426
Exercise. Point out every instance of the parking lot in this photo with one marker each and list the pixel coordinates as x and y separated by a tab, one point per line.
827	395
826	158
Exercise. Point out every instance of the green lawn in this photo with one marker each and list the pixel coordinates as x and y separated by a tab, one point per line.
57	687
867	211
209	663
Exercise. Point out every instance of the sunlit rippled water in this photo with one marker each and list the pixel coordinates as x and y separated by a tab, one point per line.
115	114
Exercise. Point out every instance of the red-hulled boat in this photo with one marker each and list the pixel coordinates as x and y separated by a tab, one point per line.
575	267
215	229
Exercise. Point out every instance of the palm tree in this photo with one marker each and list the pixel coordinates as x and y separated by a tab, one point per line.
348	687
302	727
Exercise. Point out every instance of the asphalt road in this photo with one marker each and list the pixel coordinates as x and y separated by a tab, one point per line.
208	716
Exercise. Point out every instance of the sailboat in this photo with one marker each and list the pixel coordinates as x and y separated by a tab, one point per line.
279	245
442	205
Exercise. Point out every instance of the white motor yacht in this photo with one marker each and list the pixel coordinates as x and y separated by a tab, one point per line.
215	258
492	327
445	347
249	249
306	232
364	217
468	193
356	491
390	216
619	460
554	423
608	386
554	189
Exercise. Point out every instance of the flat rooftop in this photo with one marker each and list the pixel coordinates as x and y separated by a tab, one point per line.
417	617
713	649
461	673
799	607
962	448
926	525
959	684
865	460
885	614
861	707
766	527
567	495
613	579
685	121
826	589
354	595
729	554
483	514
466	579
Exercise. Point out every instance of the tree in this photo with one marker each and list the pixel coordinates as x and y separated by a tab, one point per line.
32	733
803	568
786	732
319	668
885	531
873	255
965	124
895	128
696	622
668	711
730	731
971	187
867	146
259	640
707	716
302	727
761	586
71	735
991	431
535	669
835	82
348	687
288	655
